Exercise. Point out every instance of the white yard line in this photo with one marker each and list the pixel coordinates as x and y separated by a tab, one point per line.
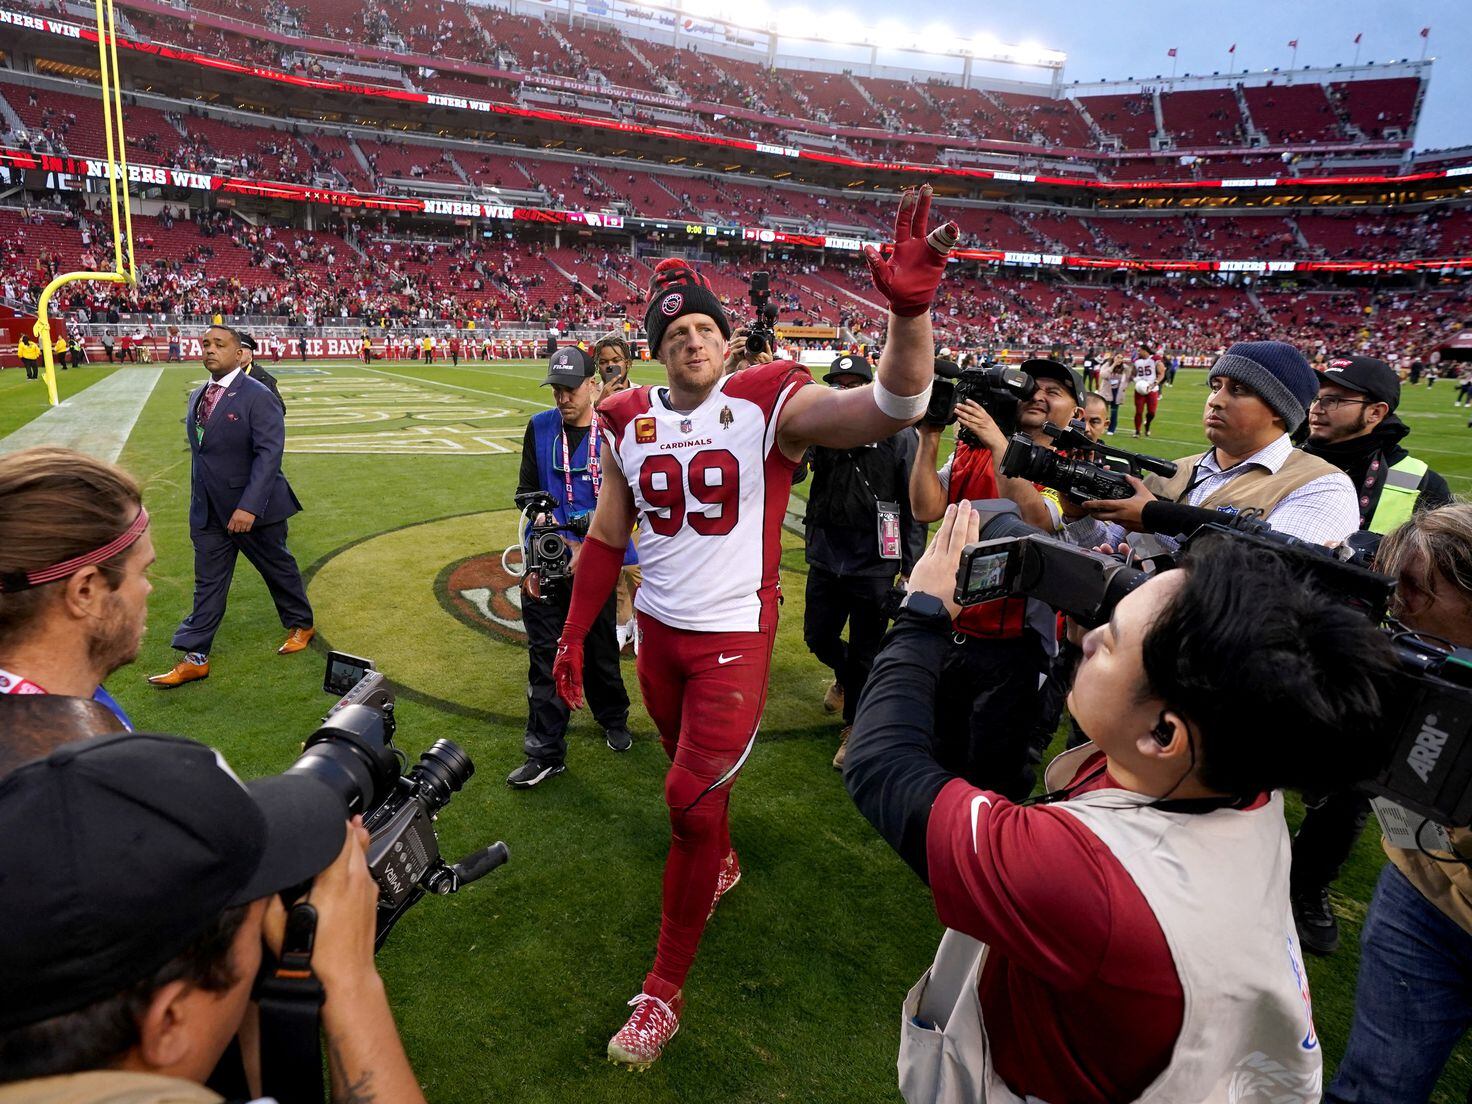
96	420
458	387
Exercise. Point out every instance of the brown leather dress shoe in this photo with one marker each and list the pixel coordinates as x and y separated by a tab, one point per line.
296	640
183	672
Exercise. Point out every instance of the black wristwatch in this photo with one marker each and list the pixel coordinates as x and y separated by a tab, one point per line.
920	604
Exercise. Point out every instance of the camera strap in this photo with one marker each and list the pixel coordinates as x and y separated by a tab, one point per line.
290	999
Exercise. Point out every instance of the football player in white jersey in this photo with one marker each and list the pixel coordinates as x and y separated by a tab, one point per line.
703	467
1147	388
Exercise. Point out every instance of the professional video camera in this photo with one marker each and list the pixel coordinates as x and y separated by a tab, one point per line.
1087	470
548	555
761	335
996	388
354	754
1428	765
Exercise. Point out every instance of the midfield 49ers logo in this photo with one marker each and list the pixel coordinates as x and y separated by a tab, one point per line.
484	595
670	305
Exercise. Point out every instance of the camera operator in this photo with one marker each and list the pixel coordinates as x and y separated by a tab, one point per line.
739	357
1413	999
1128	935
74	557
138	884
1352	424
988	705
559	455
860	532
1260	393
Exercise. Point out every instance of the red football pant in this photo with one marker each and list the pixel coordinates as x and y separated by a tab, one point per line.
705	692
1146	404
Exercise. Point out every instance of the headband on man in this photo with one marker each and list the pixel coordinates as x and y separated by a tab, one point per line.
13	581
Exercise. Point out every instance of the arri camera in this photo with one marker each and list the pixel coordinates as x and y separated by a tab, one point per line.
761	335
1427	766
1085	471
548	562
996	388
353	753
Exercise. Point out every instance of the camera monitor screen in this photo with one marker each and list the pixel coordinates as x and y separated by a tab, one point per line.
344	672
985	577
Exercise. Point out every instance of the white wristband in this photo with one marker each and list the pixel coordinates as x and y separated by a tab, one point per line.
902	408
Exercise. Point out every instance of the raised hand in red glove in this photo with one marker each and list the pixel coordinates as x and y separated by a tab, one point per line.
567	673
909	277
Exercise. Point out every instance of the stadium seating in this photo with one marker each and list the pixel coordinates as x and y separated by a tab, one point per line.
1057	121
1202	117
905	103
1130	118
603	49
1375	106
403	161
1293	112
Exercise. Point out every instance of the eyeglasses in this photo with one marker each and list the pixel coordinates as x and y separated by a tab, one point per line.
846	386
1332	403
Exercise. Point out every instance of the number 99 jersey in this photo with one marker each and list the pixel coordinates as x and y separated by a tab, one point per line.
711	489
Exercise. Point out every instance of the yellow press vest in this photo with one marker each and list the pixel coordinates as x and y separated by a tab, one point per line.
1398	496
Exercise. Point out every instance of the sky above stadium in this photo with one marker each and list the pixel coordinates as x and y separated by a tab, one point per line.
1129	38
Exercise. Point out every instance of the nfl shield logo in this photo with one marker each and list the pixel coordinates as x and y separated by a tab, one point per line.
686	425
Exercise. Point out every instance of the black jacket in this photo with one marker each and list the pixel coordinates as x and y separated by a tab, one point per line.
842	519
256	371
1383	443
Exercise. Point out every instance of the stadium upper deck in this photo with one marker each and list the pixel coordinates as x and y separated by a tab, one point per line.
1340	120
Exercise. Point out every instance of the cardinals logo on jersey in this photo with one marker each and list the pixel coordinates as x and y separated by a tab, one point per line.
727	418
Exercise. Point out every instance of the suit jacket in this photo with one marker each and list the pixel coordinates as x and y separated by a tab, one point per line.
238	465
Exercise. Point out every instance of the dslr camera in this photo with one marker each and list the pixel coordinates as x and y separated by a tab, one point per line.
1427	764
353	753
996	388
1085	470
761	335
548	556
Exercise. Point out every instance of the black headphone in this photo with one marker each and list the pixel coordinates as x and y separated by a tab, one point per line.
1162	733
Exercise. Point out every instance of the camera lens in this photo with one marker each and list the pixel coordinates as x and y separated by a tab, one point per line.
551	548
442	770
351	755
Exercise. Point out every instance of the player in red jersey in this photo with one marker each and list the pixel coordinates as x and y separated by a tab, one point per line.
703	467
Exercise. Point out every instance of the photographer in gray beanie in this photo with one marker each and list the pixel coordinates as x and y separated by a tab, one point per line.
1260	394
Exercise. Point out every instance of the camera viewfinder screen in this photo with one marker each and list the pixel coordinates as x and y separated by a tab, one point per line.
987	573
344	672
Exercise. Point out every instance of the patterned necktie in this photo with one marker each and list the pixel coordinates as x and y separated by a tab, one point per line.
212	395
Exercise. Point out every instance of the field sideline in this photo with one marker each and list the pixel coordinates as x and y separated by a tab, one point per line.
510	990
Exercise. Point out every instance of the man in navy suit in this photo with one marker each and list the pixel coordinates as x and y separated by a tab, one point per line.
239	502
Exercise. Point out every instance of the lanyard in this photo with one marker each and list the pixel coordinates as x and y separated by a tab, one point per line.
595	470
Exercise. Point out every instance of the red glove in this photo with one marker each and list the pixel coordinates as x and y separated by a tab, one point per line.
592	583
567	673
909	278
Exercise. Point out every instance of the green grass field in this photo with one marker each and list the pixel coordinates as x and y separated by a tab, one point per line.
510	990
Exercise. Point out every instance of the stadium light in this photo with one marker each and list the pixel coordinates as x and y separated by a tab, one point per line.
799	23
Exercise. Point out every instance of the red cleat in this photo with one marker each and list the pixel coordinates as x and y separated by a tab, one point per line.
726	880
641	1041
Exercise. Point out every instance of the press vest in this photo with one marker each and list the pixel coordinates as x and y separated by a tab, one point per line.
1399	495
1217	883
1256	489
547	439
